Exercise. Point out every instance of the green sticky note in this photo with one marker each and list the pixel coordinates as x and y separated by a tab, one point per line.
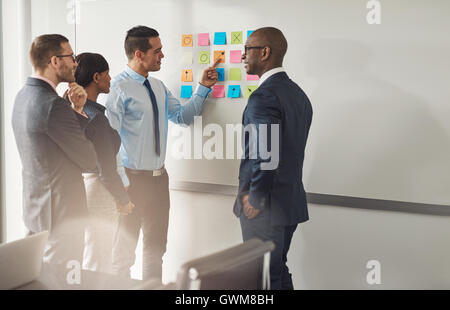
236	37
249	89
235	74
203	57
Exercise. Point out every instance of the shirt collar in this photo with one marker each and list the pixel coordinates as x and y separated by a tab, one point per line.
269	73
40	77
134	75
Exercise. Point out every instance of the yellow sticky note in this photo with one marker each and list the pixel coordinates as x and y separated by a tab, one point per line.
219	54
249	89
235	74
186	75
203	57
186	40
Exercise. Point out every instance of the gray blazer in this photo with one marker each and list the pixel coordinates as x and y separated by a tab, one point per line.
54	150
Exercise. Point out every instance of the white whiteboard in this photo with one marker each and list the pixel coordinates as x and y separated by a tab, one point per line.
380	93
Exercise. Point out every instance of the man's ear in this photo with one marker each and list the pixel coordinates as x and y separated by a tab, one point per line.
53	61
138	55
95	77
266	51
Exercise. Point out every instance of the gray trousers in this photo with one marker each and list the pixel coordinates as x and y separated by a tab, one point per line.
65	243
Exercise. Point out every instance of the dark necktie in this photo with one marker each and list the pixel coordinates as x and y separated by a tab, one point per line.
155	114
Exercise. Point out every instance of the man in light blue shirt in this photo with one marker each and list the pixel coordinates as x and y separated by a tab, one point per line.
139	108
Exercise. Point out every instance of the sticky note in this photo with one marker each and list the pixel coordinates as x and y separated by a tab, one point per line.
249	32
186	40
249	89
203	39
235	56
235	74
234	91
203	57
186	91
220	38
236	37
218	91
219	54
251	77
186	75
187	58
221	73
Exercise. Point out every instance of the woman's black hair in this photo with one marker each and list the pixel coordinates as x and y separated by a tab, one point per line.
88	65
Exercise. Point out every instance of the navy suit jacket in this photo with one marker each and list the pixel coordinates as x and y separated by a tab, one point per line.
278	191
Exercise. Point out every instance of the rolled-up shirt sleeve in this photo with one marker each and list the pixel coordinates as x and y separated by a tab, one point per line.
184	114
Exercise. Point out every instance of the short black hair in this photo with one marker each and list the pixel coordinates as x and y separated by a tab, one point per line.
88	65
137	39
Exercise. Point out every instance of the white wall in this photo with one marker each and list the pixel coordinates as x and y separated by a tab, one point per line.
47	16
330	251
12	83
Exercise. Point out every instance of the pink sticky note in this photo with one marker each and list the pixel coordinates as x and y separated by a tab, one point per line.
203	39
218	91
251	77
235	56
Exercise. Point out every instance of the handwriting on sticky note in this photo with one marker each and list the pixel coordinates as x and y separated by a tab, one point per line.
203	57
236	37
203	39
219	55
186	40
249	89
221	73
234	91
186	75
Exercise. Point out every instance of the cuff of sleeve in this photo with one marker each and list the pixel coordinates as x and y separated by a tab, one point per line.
202	91
125	180
259	200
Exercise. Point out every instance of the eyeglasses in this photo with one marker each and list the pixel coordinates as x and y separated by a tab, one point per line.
61	56
246	48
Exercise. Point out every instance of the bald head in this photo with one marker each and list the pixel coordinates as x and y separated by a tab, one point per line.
272	37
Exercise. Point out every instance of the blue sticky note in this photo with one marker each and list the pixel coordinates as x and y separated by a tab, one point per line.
249	32
186	91
220	38
234	91
221	73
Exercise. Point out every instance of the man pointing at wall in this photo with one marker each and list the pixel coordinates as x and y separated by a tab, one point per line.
139	107
271	199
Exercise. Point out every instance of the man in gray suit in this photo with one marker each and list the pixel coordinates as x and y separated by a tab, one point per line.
50	136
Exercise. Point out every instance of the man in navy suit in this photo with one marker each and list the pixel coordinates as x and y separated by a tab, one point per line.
271	200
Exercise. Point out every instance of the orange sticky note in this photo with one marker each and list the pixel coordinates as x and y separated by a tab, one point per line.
219	54
186	75
186	40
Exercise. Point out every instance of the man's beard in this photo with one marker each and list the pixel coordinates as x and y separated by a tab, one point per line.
66	75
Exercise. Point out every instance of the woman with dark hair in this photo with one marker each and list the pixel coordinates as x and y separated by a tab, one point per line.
104	187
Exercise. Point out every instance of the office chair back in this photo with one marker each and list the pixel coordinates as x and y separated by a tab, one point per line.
242	267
